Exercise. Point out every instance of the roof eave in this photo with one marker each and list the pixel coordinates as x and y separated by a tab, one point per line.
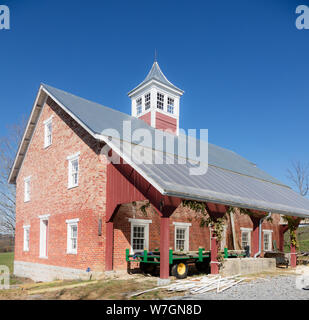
234	204
28	133
144	84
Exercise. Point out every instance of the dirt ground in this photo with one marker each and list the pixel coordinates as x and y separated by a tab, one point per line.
116	287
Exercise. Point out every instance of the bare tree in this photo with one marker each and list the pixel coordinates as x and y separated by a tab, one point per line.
299	175
8	148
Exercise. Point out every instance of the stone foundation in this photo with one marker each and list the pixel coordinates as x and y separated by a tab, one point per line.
233	266
43	272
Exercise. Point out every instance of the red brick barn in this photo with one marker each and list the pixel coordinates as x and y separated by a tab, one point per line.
78	212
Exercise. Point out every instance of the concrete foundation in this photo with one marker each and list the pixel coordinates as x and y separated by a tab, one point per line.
43	272
163	282
233	266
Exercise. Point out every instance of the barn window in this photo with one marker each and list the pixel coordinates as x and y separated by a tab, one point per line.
48	130
170	105
147	101
27	189
139	235
73	170
26	238
139	106
72	236
182	236
245	237
160	101
267	240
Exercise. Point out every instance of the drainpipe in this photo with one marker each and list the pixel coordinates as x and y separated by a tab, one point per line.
260	234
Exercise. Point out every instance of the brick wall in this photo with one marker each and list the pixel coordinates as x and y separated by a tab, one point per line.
198	236
48	169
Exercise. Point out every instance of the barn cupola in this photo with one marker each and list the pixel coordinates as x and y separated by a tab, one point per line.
156	101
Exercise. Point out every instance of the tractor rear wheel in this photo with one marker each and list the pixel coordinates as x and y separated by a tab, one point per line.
180	270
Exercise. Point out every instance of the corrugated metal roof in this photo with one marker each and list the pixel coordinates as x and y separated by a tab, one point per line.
230	179
99	118
155	73
217	185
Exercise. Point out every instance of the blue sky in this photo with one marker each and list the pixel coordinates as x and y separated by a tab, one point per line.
243	65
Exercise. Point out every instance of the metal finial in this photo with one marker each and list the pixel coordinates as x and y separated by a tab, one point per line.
155	57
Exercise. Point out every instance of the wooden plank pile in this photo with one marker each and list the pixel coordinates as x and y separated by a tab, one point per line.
205	284
199	285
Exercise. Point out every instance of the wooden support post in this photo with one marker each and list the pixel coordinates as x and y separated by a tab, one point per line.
214	265
255	236
293	256
109	245
164	247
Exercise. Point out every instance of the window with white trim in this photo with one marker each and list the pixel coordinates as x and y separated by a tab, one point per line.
139	106
182	236
139	235
170	105
43	235
73	171
26	238
48	132
72	236
160	100
27	189
147	101
267	240
245	238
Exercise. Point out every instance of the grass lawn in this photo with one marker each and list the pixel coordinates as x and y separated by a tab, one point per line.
7	258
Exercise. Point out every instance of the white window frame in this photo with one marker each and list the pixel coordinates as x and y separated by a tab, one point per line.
269	232
170	105
160	101
27	189
138	223
26	243
71	159
44	227
186	226
139	105
147	100
48	133
71	223
246	230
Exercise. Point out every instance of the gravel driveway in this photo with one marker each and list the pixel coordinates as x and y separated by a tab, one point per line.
269	288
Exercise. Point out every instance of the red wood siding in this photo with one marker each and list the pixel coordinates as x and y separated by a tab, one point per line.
164	122
146	117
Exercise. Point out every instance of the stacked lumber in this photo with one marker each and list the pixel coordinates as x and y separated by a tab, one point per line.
205	284
199	285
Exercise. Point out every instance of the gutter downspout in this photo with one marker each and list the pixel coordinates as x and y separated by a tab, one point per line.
260	234
233	230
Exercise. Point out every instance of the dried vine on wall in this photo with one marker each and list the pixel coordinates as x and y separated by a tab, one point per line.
217	224
292	226
247	212
143	208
